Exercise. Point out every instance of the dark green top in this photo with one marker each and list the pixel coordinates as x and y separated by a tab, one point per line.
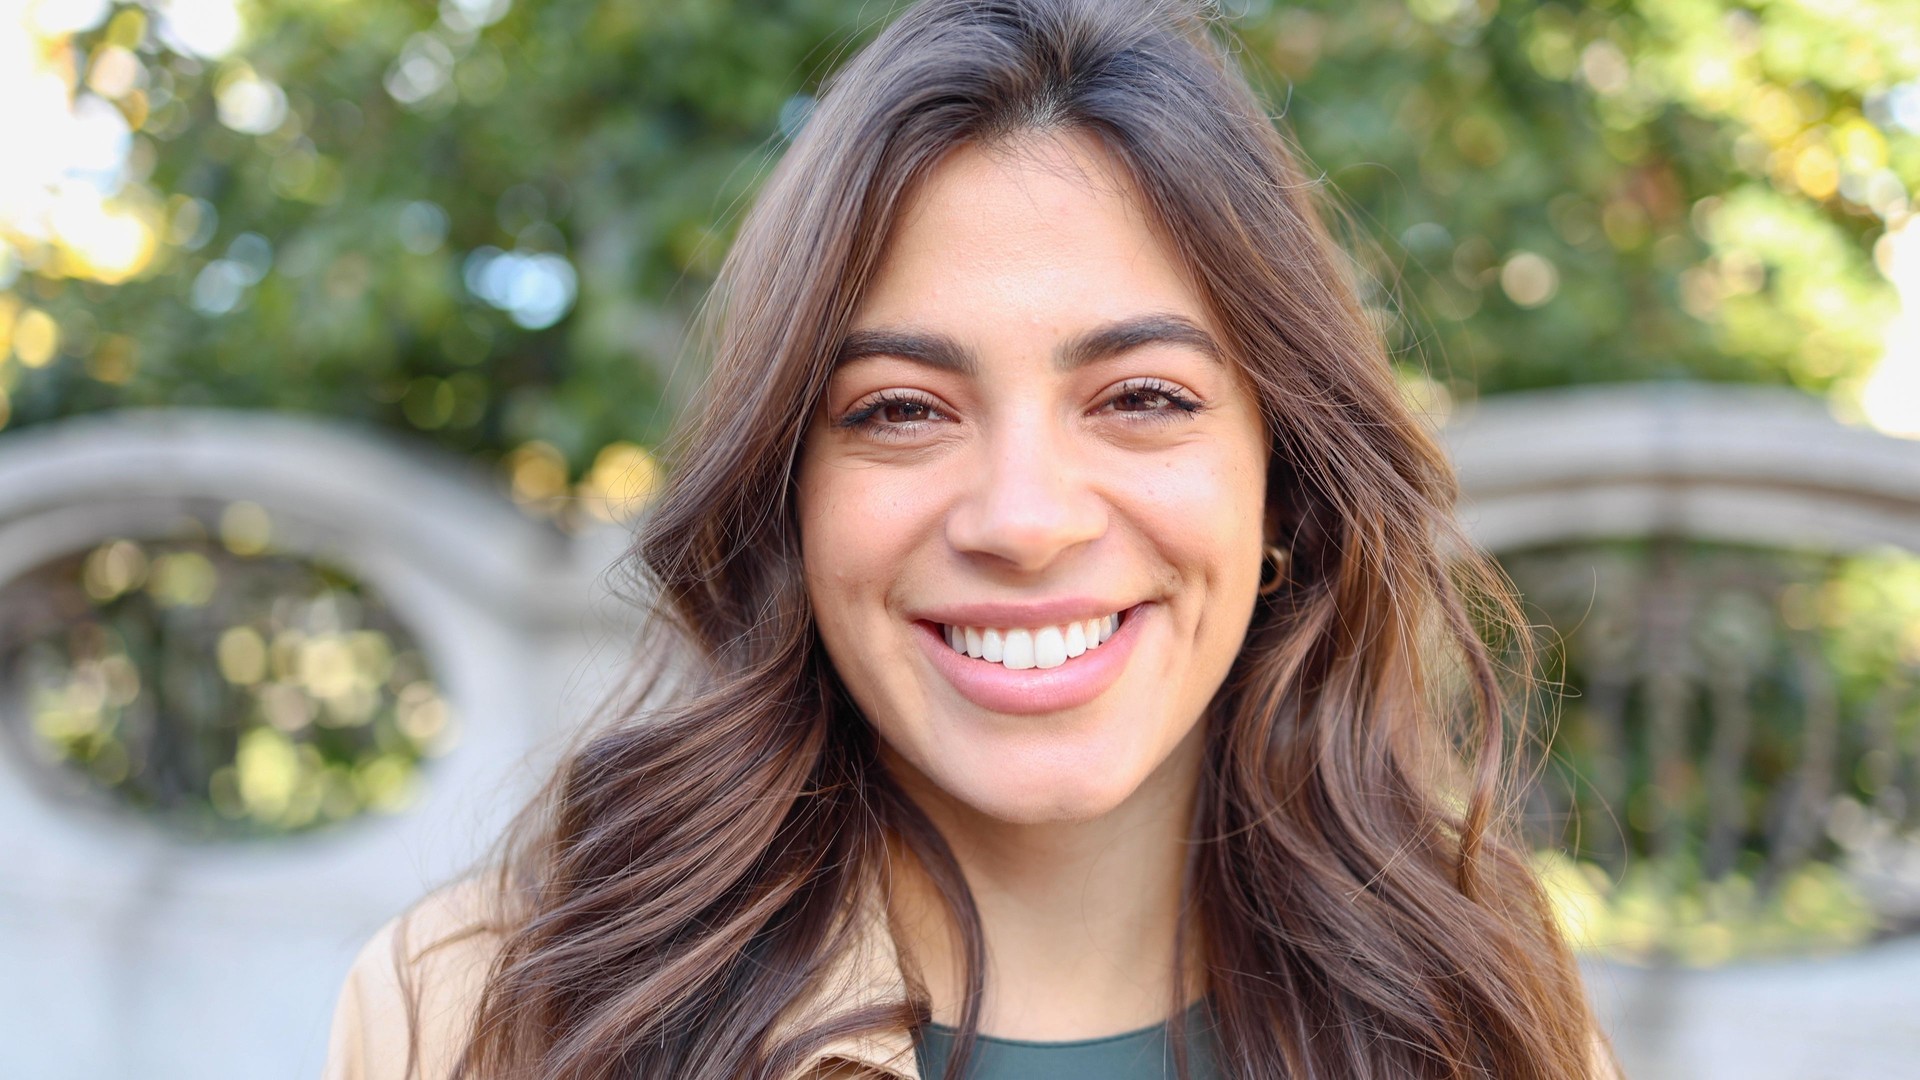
1146	1054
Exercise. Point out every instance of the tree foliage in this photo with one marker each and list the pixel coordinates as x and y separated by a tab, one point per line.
490	223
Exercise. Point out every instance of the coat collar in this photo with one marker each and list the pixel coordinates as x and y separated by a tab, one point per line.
864	974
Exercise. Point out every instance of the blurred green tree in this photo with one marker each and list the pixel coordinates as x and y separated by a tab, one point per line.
1610	191
490	222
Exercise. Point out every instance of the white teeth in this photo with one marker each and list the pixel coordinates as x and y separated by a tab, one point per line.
1049	648
1076	639
1020	648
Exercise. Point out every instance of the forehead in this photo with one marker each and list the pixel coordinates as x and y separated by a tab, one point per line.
1040	231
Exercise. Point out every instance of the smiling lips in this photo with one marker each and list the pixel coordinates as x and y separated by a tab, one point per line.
1032	670
1019	649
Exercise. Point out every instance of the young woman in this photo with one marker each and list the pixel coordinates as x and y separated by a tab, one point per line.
1072	669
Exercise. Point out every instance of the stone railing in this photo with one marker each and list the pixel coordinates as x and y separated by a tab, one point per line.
1677	653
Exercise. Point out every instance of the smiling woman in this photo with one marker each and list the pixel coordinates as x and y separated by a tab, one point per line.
1032	437
1073	639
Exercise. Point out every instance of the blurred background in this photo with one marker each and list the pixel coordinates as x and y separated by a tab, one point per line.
335	335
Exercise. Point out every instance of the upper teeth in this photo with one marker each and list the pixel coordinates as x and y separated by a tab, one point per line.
1021	648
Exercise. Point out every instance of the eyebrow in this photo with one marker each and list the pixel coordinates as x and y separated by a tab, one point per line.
1101	343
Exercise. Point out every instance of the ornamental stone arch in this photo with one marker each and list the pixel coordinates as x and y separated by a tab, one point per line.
139	952
1742	464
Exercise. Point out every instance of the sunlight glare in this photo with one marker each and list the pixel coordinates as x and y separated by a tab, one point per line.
1891	397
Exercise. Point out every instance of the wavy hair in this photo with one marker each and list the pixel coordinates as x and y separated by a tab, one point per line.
1365	912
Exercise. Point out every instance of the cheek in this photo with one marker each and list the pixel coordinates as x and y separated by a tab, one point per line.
830	552
856	537
855	528
1206	524
1204	514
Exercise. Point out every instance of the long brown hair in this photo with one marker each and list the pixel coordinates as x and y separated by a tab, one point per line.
1363	913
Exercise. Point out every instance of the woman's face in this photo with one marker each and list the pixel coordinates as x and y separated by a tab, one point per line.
1032	434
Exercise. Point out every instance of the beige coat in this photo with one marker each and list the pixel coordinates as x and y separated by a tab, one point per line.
370	1032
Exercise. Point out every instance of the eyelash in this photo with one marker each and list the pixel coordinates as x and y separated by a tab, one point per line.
863	418
1179	403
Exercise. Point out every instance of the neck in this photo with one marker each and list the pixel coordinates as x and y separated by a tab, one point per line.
1079	918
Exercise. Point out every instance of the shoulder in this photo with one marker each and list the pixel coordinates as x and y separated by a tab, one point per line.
412	990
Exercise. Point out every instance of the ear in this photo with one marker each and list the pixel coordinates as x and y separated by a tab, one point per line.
1270	525
1280	511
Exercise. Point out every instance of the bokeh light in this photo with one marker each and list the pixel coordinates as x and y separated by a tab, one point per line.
220	687
1890	397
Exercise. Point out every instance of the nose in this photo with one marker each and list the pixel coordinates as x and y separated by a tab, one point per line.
1029	499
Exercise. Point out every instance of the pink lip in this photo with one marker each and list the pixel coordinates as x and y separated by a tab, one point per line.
1034	691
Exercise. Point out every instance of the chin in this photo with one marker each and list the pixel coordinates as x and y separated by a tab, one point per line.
1042	808
1044	792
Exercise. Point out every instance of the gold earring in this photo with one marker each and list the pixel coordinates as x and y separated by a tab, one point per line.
1278	556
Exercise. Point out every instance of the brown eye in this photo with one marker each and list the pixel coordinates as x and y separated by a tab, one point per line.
1140	401
904	412
893	415
1151	400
